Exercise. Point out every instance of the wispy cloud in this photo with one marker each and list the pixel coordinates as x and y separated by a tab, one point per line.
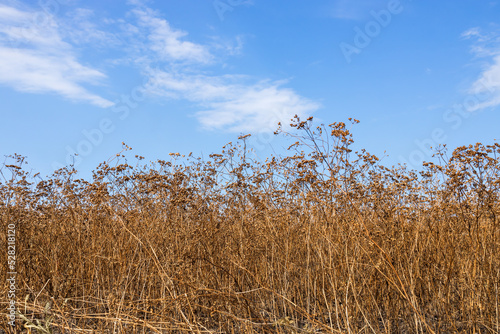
256	108
486	46
231	105
82	26
38	72
177	70
169	43
488	84
34	58
42	59
229	47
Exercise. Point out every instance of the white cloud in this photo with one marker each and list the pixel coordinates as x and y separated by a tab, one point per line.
10	14
167	42
35	72
82	26
487	86
34	58
472	32
256	108
229	47
484	44
41	58
22	28
231	105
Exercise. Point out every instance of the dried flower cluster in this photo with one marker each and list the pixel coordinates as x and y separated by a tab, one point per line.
322	240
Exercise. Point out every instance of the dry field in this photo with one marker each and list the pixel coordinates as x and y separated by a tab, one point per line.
324	240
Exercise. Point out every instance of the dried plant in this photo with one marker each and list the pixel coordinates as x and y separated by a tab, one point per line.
321	240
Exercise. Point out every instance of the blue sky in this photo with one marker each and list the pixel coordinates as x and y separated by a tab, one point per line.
189	76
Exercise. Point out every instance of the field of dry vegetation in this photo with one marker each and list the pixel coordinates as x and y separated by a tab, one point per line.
324	240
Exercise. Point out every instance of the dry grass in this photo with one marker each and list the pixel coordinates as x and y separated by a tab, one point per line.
324	240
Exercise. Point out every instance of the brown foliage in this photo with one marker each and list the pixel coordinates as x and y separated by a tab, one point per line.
323	240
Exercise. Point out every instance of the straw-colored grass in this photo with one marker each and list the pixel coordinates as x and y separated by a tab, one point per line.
324	240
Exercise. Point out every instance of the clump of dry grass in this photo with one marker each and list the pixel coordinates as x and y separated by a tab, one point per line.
323	240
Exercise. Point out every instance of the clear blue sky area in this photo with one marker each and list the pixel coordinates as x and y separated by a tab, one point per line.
189	76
